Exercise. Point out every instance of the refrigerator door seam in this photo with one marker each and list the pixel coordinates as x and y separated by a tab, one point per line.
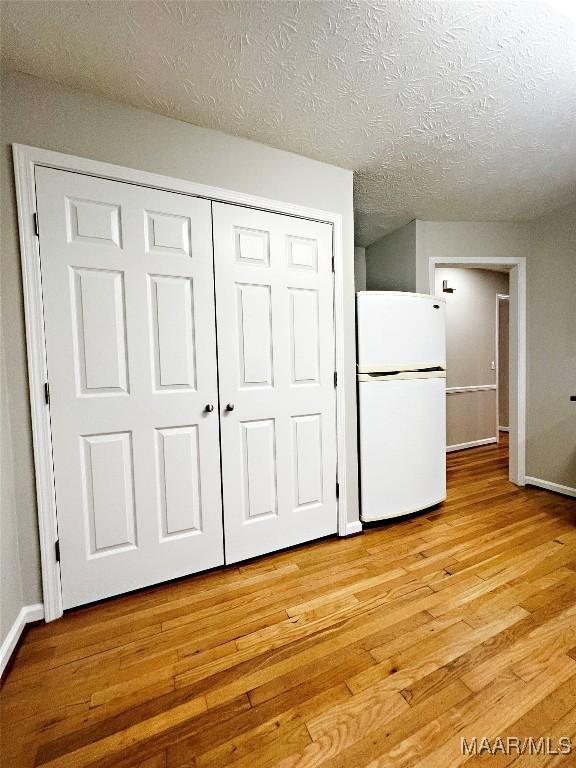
399	368
401	375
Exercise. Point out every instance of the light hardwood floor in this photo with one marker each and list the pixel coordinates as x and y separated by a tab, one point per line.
378	650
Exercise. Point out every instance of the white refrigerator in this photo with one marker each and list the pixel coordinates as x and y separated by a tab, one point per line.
402	402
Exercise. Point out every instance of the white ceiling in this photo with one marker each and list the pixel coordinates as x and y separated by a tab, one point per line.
446	110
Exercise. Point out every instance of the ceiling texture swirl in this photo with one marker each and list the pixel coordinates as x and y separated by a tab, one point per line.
444	110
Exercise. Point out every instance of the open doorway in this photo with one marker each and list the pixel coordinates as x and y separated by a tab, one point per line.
478	292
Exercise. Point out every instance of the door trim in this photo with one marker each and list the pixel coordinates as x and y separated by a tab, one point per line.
500	297
25	160
516	266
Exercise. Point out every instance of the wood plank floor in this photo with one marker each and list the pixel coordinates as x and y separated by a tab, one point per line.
379	650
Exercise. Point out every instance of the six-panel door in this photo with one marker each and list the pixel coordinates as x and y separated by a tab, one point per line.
274	304
128	288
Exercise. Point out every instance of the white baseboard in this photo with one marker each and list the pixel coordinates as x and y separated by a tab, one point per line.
355	527
27	614
472	444
564	489
503	429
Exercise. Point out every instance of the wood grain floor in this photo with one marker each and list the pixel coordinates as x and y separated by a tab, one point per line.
378	650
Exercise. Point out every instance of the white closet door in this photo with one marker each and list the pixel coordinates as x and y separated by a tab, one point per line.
274	304
127	276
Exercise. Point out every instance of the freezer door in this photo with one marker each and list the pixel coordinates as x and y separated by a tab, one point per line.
402	446
400	331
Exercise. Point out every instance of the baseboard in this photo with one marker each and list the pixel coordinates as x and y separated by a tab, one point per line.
556	487
472	444
503	429
27	614
352	528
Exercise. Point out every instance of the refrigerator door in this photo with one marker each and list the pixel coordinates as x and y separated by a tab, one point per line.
402	446
400	331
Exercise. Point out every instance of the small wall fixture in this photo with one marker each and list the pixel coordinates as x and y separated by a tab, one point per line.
446	288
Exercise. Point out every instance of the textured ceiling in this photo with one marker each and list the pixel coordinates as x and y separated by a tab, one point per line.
445	110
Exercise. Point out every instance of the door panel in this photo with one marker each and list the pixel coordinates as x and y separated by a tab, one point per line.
173	332
255	349
304	335
307	459
127	277
400	331
179	473
274	289
108	475
260	470
402	446
98	312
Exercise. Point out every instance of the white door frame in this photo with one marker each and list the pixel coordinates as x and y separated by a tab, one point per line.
25	160
499	297
517	346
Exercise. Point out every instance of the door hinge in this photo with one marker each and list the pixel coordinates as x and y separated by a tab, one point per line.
337	489
333	267
36	230
47	393
57	550
335	378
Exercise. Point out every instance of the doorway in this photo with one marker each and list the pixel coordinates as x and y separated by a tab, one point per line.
516	271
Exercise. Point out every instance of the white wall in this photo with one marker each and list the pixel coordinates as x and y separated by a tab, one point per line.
551	422
47	115
11	595
470	351
360	268
391	261
437	239
549	245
